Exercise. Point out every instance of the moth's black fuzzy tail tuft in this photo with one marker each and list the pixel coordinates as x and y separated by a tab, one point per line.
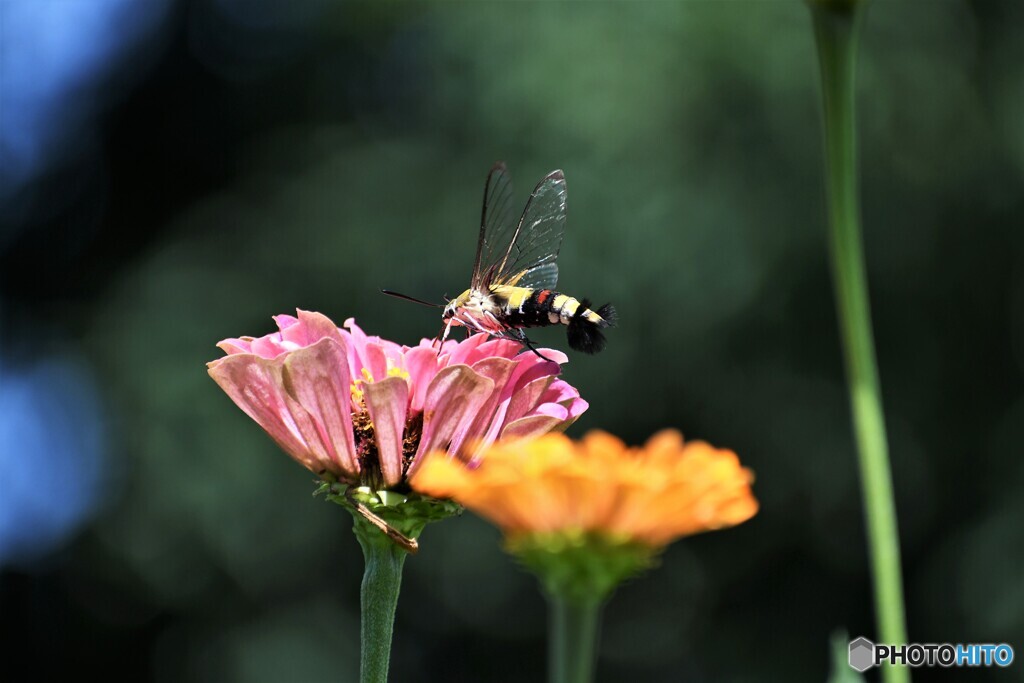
609	315
586	336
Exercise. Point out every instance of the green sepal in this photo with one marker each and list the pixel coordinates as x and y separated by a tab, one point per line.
407	513
581	567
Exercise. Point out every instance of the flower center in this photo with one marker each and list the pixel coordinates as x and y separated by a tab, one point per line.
366	446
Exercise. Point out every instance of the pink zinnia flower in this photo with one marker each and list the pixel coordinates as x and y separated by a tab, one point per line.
367	410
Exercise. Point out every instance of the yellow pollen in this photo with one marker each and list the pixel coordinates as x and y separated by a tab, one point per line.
367	378
398	372
357	393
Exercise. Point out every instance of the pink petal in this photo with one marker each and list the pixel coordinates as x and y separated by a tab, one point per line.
465	351
446	349
357	332
375	361
498	370
394	353
529	427
230	346
552	355
256	386
421	364
559	391
551	410
532	367
357	341
268	346
292	330
284	321
575	408
366	353
358	336
318	326
317	378
527	397
489	436
454	396
386	402
501	348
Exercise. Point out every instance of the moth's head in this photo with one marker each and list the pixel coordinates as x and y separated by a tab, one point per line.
452	309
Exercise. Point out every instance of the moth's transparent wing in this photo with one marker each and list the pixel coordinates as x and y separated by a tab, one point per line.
544	276
497	224
534	245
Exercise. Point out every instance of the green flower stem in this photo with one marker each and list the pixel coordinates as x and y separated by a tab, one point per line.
836	27
578	571
387	524
574	629
382	580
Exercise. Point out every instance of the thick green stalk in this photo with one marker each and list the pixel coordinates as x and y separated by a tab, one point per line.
382	580
574	630
836	26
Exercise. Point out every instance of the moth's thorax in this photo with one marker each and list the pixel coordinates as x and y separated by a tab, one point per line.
475	309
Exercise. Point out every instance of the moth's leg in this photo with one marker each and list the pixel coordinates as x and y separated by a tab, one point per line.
518	335
444	335
491	326
495	323
529	345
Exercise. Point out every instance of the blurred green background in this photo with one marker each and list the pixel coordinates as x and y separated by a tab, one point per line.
175	172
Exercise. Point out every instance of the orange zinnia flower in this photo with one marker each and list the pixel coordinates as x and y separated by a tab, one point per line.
585	516
554	486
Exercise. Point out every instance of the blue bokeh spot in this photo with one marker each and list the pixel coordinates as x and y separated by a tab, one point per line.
51	456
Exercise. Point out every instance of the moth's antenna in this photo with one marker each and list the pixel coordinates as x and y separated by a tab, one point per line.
409	298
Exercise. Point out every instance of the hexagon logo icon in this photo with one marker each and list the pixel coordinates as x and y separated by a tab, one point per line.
862	654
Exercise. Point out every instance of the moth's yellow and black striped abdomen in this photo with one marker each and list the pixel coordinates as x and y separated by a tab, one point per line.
526	307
